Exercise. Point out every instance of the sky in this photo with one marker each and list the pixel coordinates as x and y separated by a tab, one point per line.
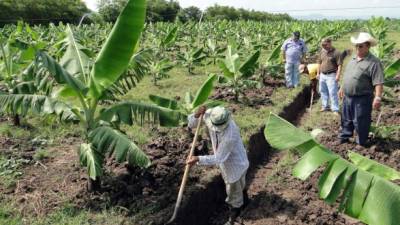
304	9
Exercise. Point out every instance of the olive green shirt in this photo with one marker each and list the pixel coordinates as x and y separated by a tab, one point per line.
361	76
329	60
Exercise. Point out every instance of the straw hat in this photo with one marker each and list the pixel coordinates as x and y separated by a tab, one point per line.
218	118
364	37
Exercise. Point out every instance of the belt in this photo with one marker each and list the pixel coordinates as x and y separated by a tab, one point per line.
328	72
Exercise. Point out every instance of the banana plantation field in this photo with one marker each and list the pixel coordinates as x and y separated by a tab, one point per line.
94	130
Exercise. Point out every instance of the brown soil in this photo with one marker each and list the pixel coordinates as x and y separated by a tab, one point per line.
45	185
59	180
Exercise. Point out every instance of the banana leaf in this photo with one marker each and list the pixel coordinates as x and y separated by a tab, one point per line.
119	47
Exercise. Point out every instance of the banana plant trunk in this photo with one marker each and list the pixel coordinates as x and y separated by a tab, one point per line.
16	120
94	185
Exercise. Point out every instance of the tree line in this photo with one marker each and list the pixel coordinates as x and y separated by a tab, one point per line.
168	11
41	11
71	11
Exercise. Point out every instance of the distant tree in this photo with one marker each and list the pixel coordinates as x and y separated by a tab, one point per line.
157	10
110	9
217	12
41	11
161	10
191	13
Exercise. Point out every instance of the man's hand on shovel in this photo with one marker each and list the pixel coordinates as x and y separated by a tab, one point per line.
192	160
202	109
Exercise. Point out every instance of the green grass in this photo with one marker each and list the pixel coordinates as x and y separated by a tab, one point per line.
10	131
41	154
395	37
10	170
66	215
8	215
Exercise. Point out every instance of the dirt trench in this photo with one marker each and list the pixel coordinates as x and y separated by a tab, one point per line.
205	205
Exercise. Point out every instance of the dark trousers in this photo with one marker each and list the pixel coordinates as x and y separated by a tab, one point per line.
356	114
313	85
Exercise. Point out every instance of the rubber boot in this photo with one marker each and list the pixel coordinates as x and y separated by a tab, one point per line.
233	215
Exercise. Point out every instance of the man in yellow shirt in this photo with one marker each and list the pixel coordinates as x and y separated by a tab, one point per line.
312	71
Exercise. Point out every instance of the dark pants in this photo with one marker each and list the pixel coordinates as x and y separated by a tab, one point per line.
356	115
313	85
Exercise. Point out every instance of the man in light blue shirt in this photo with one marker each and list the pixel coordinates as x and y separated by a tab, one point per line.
293	50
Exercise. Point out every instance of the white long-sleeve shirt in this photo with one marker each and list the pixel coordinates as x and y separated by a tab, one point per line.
229	152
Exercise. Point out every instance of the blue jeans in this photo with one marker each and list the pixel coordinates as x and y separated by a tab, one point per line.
292	74
356	115
328	88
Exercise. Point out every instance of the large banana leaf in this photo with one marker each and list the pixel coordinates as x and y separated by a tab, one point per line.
247	68
119	47
92	159
59	73
133	75
24	103
373	167
311	161
277	128
392	70
204	92
274	55
75	59
227	73
382	205
230	65
106	139
164	102
364	194
131	111
171	36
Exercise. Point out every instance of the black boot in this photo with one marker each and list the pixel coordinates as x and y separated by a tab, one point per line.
233	215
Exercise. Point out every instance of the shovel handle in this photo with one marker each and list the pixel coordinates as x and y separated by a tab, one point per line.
379	118
186	173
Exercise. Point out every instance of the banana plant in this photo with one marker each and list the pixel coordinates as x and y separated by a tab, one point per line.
213	51
363	187
235	73
378	28
80	95
167	41
158	69
190	103
17	71
191	58
272	65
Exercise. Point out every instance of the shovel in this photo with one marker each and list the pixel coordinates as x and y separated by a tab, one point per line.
185	174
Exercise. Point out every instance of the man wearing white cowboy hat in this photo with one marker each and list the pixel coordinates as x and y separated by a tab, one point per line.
229	154
361	90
